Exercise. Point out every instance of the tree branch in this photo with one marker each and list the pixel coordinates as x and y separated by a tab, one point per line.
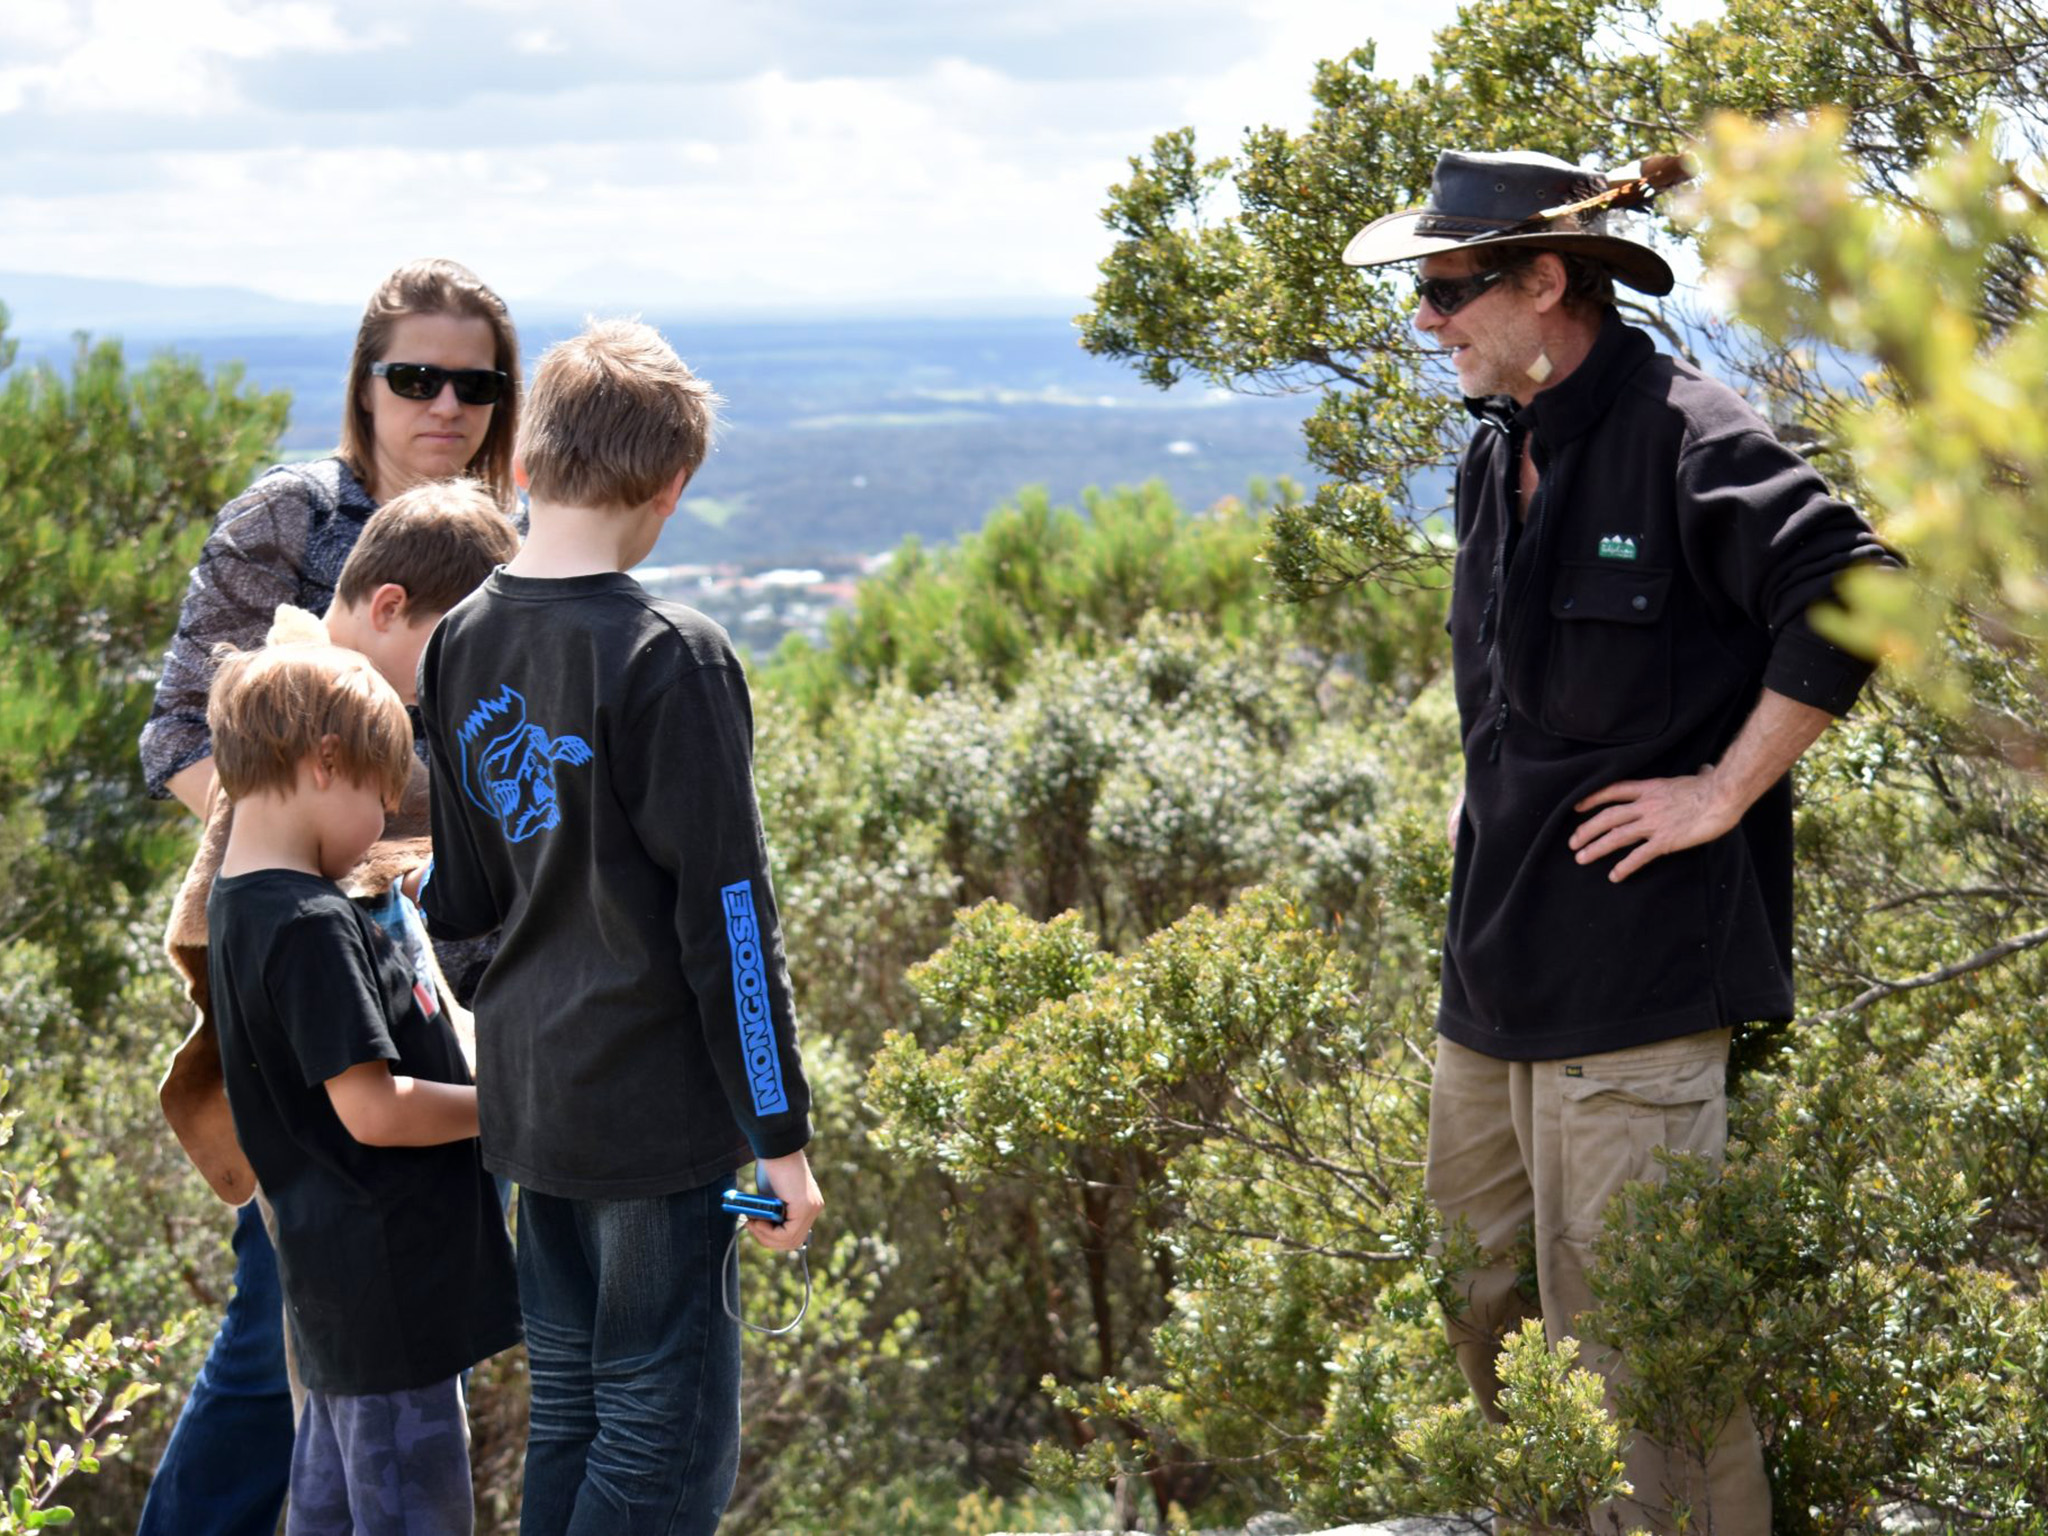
1653	317
1964	893
2003	950
1295	1244
1910	60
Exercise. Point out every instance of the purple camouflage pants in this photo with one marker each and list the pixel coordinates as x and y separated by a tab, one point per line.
382	1464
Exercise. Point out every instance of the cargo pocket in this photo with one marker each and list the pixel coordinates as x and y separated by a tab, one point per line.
1609	673
1615	1117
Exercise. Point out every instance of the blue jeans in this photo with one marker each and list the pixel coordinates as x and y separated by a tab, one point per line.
229	1459
635	1427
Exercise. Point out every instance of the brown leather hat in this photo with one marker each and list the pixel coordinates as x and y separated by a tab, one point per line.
1525	199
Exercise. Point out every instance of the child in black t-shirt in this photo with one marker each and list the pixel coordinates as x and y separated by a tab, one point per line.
354	1106
417	556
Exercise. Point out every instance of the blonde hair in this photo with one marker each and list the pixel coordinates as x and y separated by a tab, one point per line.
614	415
438	540
269	710
435	286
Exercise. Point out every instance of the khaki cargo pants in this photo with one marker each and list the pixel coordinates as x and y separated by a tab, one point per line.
1545	1145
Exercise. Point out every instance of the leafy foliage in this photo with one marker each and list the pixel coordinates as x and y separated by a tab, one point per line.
108	480
70	1381
1128	774
1949	444
1551	1466
1251	299
1226	267
1035	576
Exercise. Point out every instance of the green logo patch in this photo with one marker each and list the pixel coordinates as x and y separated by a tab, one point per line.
1616	547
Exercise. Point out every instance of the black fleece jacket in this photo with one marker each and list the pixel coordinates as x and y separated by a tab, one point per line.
1624	630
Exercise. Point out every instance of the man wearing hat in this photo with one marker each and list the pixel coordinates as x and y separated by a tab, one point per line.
1635	676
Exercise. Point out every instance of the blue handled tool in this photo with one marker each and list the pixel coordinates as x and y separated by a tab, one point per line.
764	1206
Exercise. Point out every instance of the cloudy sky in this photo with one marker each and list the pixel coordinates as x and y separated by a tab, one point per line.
755	154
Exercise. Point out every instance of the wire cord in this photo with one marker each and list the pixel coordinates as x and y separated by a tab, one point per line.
728	1294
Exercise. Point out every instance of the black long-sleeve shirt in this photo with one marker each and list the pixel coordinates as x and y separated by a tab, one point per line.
1625	630
591	750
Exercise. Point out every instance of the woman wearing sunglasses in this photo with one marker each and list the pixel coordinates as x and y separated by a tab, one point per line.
433	391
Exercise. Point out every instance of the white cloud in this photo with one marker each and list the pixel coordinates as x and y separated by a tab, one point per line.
41	24
156	56
1271	85
907	151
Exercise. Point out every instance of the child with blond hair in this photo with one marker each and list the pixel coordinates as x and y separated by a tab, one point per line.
352	1103
417	556
591	750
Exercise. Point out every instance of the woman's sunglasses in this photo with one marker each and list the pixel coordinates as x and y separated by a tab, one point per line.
1448	295
423	381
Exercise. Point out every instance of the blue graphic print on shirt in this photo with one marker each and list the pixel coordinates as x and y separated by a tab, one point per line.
750	997
508	765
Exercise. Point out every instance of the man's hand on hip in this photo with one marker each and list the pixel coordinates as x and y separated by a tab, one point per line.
1661	816
1658	816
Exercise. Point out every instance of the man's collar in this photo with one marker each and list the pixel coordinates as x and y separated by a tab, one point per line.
1572	405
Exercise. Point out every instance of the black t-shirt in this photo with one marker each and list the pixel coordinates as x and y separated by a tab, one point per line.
396	1265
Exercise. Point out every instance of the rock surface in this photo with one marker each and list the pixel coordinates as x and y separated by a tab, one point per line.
1286	1525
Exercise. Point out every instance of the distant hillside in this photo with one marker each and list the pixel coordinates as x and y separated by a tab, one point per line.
46	304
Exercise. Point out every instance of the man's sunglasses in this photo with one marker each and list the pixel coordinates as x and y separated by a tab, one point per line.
423	381
1448	295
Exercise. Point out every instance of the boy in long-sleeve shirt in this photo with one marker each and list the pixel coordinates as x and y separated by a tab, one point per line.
592	798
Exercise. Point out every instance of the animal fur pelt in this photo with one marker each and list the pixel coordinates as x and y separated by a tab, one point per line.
193	1094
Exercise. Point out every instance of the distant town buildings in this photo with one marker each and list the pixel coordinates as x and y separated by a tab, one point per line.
758	607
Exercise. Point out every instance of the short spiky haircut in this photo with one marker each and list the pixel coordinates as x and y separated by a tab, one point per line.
271	709
612	417
438	541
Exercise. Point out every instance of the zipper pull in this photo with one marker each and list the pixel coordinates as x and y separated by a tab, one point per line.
1486	616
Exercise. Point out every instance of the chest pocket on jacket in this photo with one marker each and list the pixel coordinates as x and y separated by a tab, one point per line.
1609	672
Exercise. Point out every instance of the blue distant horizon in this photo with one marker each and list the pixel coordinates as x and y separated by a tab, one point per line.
46	304
842	434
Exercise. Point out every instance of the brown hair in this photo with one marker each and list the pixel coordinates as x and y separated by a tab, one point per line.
1588	284
435	286
613	417
270	709
438	541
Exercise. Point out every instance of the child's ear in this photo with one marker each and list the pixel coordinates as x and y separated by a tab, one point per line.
387	606
519	476
324	758
667	498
